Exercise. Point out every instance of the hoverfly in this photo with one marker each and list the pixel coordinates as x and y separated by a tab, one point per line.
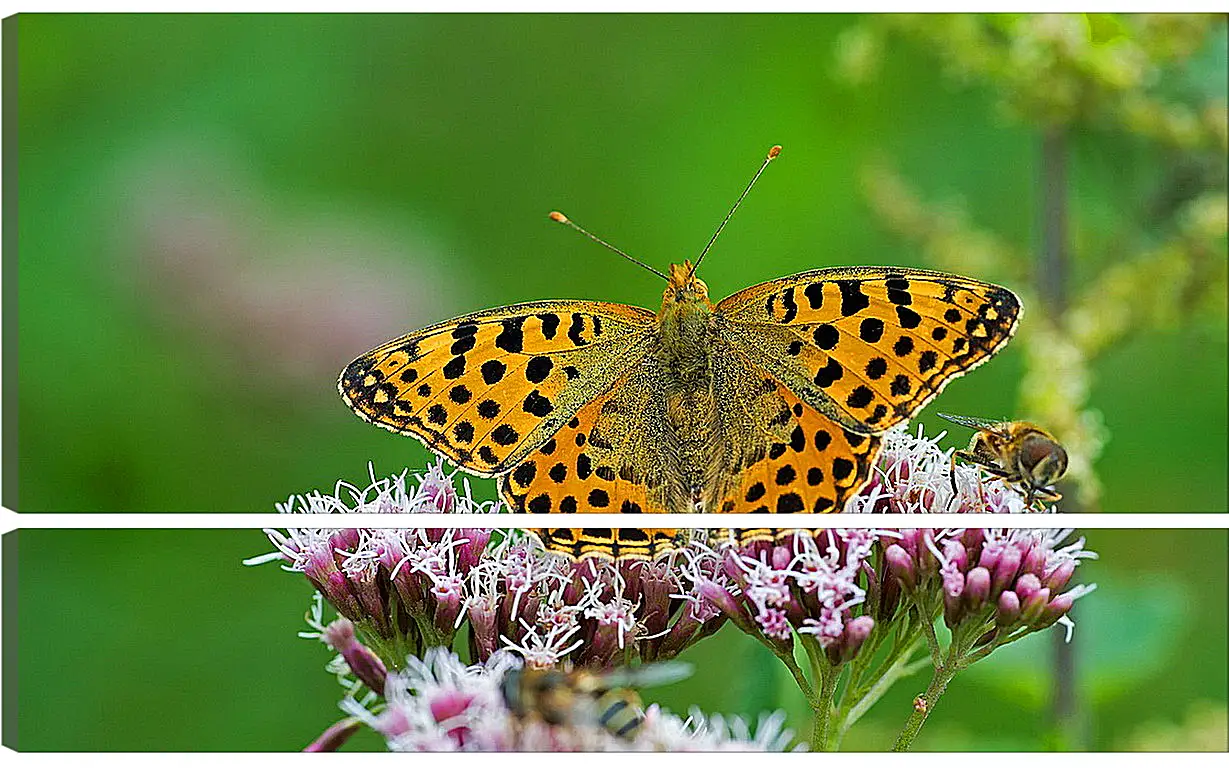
1019	452
586	698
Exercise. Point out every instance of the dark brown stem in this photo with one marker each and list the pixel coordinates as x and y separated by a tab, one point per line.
1052	286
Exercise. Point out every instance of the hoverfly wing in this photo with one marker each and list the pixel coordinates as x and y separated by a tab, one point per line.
972	422
649	675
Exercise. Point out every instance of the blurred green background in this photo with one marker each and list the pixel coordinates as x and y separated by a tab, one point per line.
219	212
161	640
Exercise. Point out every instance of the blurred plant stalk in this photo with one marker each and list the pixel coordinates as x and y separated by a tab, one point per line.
1062	74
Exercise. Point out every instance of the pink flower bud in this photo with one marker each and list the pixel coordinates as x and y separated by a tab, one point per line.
1009	609
447	592
411	588
1032	606
1026	586
973	538
527	609
334	736
474	543
1055	610
1005	570
856	632
912	542
366	589
1034	561
889	598
953	583
390	550
990	555
781	557
955	554
601	651
438	491
336	589
344	540
655	597
681	634
731	566
900	565
1059	575
927	565
953	605
976	587
485	636
365	665
719	596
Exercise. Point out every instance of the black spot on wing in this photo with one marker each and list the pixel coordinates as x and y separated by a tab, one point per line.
827	375
463	345
493	371
537	405
538	369
455	368
575	328
511	339
791	307
853	300
550	324
907	317
826	336
871	330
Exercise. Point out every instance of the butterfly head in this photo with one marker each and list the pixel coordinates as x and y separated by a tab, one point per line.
685	287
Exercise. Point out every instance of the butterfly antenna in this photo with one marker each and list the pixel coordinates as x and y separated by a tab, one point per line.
559	217
772	155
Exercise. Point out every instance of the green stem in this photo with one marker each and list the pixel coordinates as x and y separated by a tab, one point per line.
827	677
821	731
924	705
860	669
800	678
926	619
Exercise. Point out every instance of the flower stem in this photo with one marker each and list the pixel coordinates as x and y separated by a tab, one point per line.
800	678
827	677
924	705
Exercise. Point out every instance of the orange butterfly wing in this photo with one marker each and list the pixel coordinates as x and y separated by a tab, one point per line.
869	346
486	389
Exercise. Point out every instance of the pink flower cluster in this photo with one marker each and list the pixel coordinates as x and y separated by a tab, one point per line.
1016	575
417	588
808	582
591	613
838	585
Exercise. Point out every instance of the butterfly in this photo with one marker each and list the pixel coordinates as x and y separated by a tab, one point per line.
772	400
